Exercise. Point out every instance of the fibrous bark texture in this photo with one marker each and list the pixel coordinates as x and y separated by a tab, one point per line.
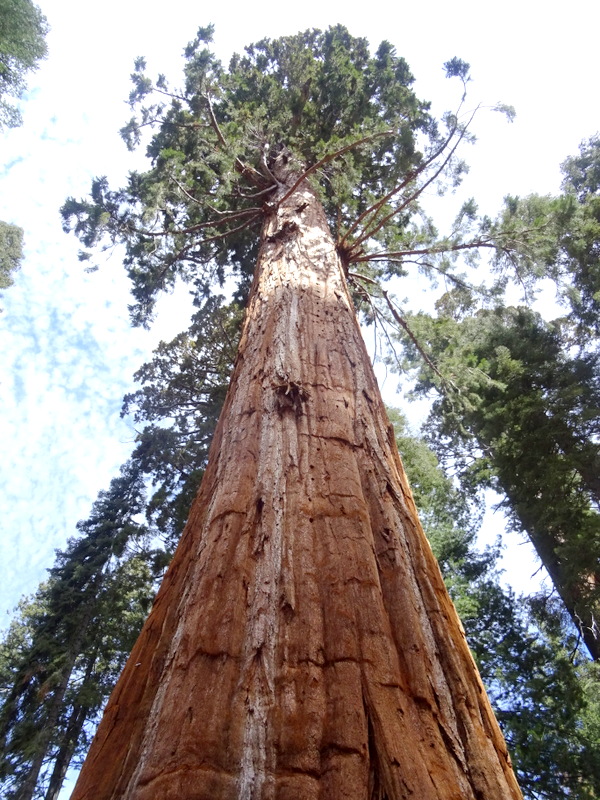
303	644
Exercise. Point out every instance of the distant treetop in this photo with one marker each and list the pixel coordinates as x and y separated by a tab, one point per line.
23	30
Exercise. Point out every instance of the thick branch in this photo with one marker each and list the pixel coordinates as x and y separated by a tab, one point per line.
330	157
368	233
398	188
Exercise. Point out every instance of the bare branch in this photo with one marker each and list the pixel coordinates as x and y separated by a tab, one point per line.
376	312
256	194
398	254
405	327
448	275
398	188
372	231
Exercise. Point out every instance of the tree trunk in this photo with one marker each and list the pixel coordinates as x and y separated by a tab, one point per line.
577	589
43	740
303	644
69	738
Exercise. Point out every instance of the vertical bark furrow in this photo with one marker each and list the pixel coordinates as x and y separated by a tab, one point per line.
302	646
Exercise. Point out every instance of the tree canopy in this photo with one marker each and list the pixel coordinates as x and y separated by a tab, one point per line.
518	407
23	30
11	252
348	119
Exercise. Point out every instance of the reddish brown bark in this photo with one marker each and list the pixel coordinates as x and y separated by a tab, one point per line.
302	645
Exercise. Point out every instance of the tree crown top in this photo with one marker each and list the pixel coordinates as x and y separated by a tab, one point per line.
348	117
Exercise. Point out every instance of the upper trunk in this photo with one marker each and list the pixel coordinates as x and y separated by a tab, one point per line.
303	644
577	589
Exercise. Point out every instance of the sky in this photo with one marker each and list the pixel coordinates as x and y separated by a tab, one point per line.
67	350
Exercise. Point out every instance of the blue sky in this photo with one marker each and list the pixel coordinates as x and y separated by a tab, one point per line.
67	352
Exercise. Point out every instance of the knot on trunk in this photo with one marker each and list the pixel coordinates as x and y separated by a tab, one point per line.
290	396
287	229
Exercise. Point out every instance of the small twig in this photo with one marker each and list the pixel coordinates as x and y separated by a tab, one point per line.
404	325
429	264
376	313
364	278
172	95
186	193
257	194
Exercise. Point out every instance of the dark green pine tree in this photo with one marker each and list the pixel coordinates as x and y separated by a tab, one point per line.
64	652
519	412
566	247
519	402
182	392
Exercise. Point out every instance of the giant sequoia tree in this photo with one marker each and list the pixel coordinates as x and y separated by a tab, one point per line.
302	643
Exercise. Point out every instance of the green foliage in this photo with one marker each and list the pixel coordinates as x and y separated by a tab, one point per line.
347	119
559	238
23	30
519	413
64	652
582	172
457	68
544	695
11	252
183	390
443	510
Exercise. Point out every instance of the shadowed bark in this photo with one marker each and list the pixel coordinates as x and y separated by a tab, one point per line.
302	644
